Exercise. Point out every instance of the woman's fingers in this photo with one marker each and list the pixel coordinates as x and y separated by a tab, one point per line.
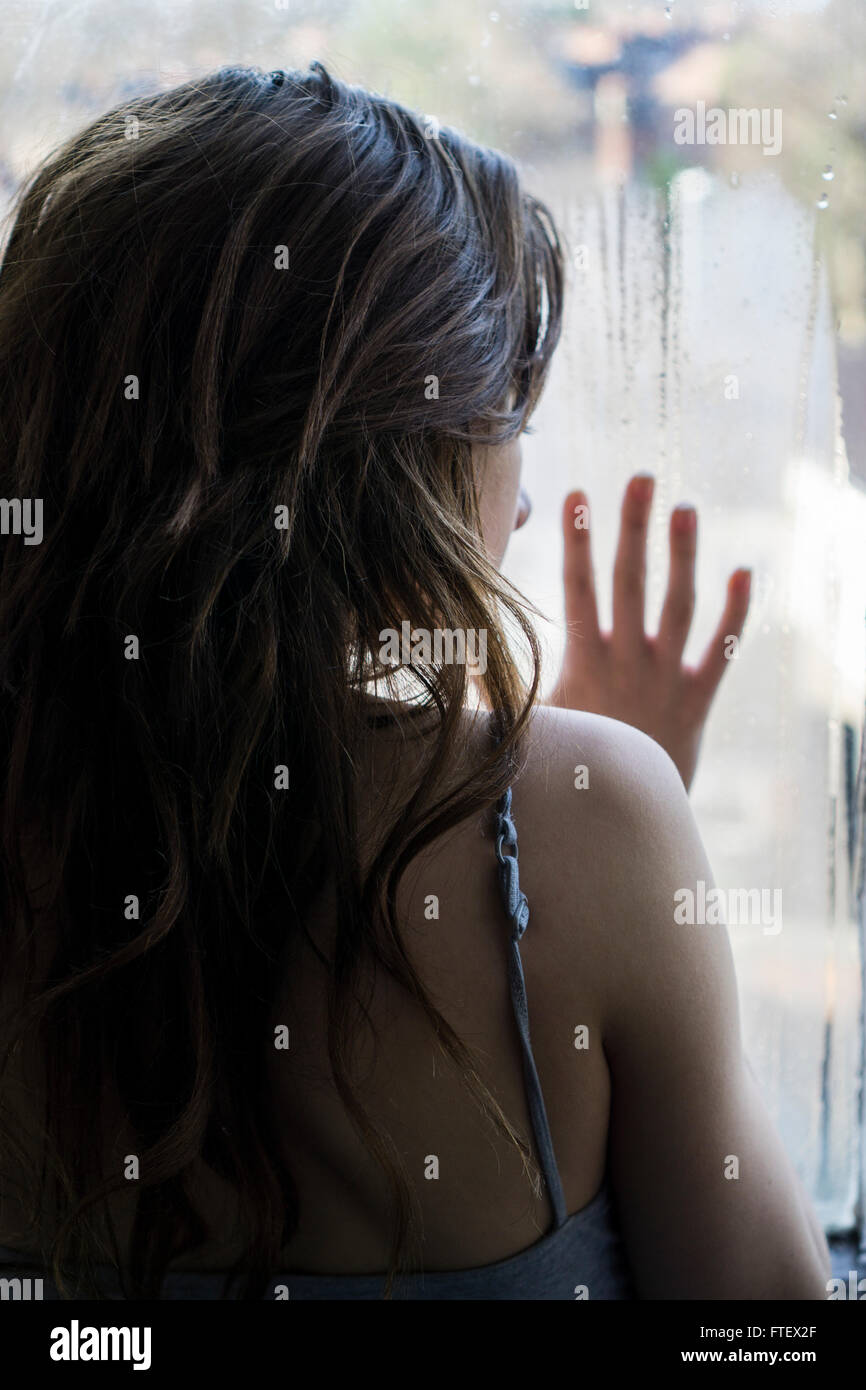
679	604
629	570
724	646
581	610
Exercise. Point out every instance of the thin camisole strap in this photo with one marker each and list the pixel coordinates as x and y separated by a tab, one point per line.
517	909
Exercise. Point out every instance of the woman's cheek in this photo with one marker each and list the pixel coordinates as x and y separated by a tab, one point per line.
524	510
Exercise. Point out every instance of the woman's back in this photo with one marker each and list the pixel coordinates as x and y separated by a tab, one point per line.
477	1205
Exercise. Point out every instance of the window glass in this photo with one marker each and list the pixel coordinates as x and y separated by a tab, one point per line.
706	163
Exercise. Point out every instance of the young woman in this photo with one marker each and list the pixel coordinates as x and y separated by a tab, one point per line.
269	956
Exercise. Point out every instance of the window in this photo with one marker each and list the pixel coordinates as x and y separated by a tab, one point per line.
707	164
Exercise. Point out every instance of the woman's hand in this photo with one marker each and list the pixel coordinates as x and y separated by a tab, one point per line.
626	674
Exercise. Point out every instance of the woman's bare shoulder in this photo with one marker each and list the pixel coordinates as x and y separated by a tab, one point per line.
606	836
592	790
566	751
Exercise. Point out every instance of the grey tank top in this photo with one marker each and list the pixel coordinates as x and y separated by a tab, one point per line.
581	1257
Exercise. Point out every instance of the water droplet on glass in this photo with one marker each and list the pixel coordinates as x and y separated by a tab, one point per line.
668	12
823	201
735	179
832	115
493	17
726	37
474	79
841	101
828	172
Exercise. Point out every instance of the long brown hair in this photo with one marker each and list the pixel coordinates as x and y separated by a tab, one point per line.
250	331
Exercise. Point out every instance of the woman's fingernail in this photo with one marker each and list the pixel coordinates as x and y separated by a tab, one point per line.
743	581
642	486
685	518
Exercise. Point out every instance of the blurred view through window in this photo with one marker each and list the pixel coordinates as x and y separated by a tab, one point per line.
706	162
